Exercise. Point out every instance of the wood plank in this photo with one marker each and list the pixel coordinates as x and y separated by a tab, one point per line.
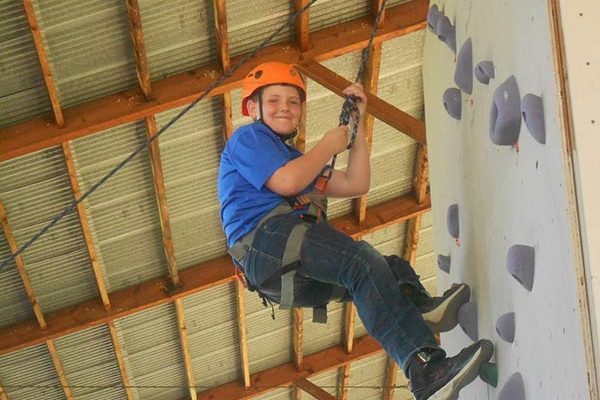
344	381
120	359
85	226
421	179
12	244
242	331
284	375
220	12
376	5
194	279
44	63
371	85
139	46
390	379
349	322
298	337
185	348
162	204
182	89
379	108
314	390
60	371
302	26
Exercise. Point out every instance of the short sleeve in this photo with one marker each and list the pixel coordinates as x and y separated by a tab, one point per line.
256	155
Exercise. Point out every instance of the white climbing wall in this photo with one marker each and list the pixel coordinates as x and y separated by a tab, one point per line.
506	196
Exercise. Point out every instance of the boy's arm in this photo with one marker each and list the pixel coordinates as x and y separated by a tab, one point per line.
297	174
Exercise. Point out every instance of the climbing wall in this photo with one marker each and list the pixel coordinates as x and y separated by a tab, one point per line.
499	184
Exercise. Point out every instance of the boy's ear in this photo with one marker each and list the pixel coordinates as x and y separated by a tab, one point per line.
252	107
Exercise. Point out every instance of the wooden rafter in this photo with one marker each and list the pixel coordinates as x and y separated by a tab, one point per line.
44	64
120	359
181	89
139	46
243	332
284	375
12	244
344	378
85	226
185	347
60	371
298	315
312	389
195	279
220	11
302	27
376	5
379	108
371	84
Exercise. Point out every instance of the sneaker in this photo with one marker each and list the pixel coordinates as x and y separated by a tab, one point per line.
442	379
441	313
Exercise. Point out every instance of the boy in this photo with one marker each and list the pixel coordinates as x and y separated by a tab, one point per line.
259	175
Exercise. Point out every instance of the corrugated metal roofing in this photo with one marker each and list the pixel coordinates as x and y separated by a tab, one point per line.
367	378
95	376
89	47
211	320
318	337
325	13
14	302
23	94
190	153
152	351
179	35
34	189
248	24
30	374
123	212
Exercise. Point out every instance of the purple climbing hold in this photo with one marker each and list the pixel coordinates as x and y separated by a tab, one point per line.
446	32
505	118
484	71
467	319
452	221
521	264
453	102
463	75
433	15
513	389
505	326
443	263
532	108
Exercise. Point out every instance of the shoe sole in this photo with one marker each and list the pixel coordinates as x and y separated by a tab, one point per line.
445	316
467	375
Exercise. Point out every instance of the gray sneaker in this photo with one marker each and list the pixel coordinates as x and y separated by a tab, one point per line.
442	379
441	313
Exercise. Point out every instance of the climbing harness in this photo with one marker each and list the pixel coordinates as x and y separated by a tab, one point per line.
312	207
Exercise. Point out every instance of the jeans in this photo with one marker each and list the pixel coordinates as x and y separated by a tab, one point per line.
330	258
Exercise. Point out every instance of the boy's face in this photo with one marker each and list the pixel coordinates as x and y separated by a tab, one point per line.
282	108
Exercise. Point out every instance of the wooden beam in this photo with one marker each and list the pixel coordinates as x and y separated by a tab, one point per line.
421	180
371	85
390	379
195	279
286	374
298	337
243	332
44	63
85	226
312	389
120	359
60	371
12	244
185	348
379	108
139	46
162	205
220	11
302	26
344	378
182	89
376	5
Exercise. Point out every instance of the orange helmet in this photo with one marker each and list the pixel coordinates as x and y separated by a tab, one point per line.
271	73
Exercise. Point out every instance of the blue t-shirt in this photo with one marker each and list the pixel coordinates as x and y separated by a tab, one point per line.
251	156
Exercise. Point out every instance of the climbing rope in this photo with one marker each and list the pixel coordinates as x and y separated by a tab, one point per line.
348	110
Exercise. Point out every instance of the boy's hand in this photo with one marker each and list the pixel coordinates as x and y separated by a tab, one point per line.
357	90
336	139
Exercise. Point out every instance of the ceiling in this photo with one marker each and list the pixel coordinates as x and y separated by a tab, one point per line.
131	295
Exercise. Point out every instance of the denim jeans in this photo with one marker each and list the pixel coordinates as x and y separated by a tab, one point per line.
330	258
